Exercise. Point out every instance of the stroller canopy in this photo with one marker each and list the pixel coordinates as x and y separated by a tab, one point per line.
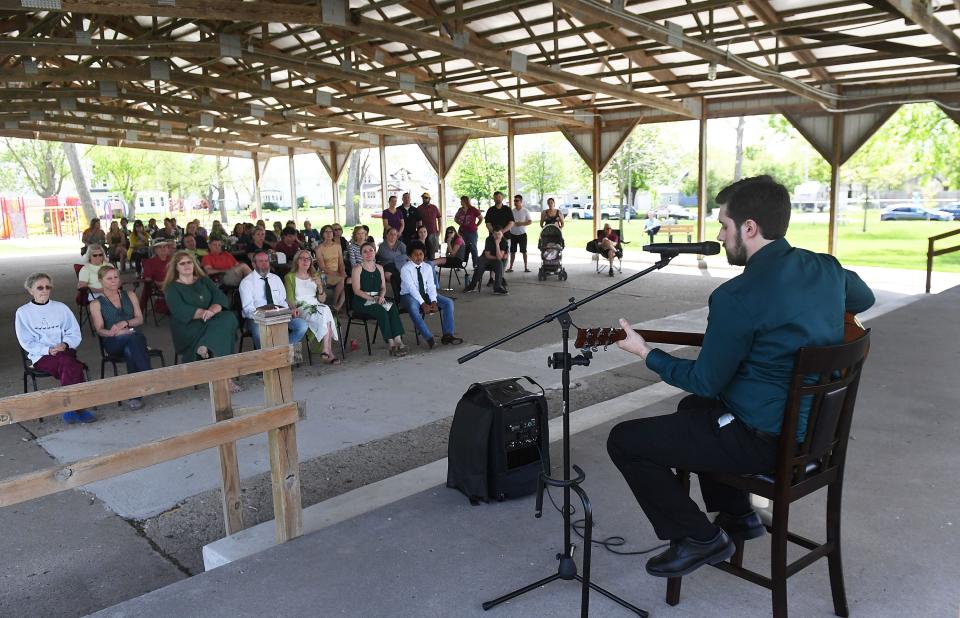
550	234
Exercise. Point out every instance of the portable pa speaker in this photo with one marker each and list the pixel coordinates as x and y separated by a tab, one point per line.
499	440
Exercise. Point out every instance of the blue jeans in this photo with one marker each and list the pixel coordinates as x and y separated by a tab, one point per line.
470	241
297	327
134	350
446	314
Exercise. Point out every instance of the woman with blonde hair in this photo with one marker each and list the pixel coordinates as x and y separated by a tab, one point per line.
116	318
87	277
330	261
305	291
200	320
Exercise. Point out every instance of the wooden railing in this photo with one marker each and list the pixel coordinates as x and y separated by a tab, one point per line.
932	254
278	417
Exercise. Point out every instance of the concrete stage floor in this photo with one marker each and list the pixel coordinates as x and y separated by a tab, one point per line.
432	554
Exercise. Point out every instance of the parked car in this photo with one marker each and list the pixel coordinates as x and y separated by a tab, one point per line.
675	212
613	212
907	212
577	211
953	209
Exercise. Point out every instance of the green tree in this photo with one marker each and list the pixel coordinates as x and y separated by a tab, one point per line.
125	171
37	165
481	170
543	170
641	162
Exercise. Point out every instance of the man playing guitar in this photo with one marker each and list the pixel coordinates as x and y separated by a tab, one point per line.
785	299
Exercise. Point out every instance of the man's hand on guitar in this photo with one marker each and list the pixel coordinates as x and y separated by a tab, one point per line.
633	342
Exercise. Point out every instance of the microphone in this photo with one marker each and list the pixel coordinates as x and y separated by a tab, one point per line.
700	248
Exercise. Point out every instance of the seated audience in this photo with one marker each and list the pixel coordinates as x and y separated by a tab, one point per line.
87	278
274	234
392	255
117	245
258	243
222	265
169	231
305	292
330	262
338	237
93	235
191	247
216	231
357	240
194	229
262	288
116	318
200	320
494	257
152	227
288	245
310	235
154	272
606	244
418	294
369	287
139	245
49	333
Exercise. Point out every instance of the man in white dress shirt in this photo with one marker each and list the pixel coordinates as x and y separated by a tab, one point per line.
418	293
262	287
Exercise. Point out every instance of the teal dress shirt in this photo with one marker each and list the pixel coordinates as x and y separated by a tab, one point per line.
785	299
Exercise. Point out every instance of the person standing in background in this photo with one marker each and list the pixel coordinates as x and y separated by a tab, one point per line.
518	233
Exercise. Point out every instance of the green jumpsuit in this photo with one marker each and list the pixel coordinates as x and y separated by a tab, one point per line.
388	321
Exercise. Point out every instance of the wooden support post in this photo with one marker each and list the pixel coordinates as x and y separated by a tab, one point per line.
258	201
596	173
335	181
284	460
383	171
229	468
511	163
441	182
702	196
293	186
835	158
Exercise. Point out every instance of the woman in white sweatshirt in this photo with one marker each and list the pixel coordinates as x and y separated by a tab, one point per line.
49	333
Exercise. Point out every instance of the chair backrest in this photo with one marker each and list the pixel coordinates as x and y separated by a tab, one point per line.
828	378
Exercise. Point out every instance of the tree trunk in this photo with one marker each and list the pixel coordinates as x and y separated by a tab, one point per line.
79	179
352	207
221	194
738	165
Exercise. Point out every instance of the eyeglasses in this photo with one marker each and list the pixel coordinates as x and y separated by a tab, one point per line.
184	263
44	287
305	257
96	255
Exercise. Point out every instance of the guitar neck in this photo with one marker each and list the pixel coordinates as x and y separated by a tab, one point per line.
595	337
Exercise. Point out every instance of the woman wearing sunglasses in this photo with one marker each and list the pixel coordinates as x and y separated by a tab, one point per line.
49	334
88	278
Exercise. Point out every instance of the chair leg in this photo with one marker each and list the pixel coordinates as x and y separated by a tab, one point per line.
673	590
366	333
834	561
103	368
737	558
343	348
778	558
24	382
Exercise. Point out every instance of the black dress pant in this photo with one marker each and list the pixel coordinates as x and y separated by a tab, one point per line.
646	451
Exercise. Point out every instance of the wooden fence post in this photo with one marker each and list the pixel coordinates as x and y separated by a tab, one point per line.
284	459
229	468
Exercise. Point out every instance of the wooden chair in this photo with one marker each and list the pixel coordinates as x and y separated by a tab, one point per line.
803	469
359	318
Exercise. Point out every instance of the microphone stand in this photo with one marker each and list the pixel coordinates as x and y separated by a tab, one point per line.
567	569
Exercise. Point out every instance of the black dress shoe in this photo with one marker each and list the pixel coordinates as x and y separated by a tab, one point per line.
687	555
741	527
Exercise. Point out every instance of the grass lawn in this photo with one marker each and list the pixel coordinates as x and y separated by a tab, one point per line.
887	244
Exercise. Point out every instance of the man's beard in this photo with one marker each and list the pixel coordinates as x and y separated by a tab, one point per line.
738	255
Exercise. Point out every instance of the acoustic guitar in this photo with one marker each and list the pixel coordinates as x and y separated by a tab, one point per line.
597	337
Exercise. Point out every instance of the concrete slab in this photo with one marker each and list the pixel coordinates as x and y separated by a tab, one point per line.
432	554
67	554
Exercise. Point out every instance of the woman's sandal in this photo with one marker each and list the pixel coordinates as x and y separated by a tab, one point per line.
331	359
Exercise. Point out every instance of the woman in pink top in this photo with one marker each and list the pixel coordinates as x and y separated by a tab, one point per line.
469	218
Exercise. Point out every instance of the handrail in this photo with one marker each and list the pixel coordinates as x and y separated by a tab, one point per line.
931	253
277	416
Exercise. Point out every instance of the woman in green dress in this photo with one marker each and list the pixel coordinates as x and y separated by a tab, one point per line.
200	325
369	291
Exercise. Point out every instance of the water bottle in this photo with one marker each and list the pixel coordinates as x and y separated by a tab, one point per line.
323	280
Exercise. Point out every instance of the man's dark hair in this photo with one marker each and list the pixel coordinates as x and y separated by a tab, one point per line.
497	228
496	193
290	231
415	245
518	197
760	198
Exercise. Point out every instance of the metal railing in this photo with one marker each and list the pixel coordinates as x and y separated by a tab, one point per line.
932	254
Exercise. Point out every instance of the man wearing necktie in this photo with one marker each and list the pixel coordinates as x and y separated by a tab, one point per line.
262	287
418	295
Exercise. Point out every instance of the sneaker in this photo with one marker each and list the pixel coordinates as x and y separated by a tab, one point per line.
135	404
611	272
500	291
86	416
71	418
466	280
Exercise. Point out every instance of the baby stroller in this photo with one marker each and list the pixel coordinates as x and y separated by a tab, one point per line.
551	253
